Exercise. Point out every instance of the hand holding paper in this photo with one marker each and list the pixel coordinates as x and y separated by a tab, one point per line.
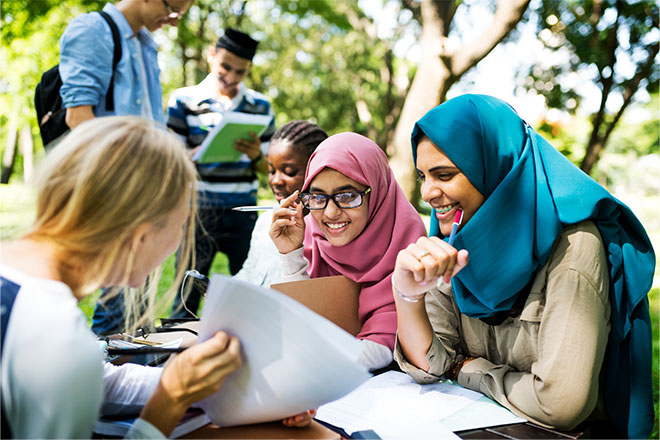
293	359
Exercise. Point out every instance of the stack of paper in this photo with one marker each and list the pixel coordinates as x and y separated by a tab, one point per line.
394	406
293	359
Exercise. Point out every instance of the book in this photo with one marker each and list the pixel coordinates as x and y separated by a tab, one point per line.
218	146
334	297
119	426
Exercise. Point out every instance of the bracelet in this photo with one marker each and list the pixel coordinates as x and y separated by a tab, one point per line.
453	373
407	298
258	158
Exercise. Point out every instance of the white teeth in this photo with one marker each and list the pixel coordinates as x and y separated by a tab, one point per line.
443	210
336	225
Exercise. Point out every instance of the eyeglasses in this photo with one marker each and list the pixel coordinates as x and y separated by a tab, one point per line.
344	200
173	12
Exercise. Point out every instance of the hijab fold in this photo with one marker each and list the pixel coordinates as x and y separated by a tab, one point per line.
369	259
532	193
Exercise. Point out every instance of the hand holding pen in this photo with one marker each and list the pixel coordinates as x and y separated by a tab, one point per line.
288	228
426	262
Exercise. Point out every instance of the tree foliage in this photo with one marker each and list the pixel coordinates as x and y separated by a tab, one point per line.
614	42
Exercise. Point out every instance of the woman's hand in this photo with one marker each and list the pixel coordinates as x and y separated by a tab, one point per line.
419	265
192	375
288	228
300	420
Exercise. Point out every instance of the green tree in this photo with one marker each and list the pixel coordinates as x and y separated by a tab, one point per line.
441	66
614	41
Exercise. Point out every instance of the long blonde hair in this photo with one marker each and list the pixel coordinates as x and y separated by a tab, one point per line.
106	178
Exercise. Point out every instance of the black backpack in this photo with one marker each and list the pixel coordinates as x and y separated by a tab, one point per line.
48	102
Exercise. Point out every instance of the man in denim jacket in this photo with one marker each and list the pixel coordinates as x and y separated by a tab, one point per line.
86	50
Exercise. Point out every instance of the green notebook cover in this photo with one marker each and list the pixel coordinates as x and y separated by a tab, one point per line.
219	144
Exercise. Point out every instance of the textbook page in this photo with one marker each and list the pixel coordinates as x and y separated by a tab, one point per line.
293	359
393	405
218	145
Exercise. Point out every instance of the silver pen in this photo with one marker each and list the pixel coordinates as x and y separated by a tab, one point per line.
252	208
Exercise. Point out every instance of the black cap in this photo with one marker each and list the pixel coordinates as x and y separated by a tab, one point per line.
238	43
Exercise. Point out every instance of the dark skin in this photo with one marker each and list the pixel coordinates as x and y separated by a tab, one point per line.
286	169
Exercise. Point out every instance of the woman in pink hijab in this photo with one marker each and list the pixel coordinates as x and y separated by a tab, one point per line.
359	221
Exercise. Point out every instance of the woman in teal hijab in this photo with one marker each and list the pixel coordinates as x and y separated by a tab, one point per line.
547	309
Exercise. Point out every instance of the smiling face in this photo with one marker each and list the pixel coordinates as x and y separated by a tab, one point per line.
228	68
286	169
340	226
445	187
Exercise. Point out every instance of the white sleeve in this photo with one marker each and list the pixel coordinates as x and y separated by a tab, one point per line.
374	355
141	429
294	266
128	387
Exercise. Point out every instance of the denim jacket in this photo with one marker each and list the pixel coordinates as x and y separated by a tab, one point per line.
86	50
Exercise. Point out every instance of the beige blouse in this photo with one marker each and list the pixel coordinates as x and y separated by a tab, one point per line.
544	364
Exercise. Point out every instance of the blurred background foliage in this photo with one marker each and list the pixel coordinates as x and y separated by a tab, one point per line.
327	61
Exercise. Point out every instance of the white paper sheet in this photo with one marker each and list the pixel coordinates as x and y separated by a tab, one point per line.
481	414
293	359
393	405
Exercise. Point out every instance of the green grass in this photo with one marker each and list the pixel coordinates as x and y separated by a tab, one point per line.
16	213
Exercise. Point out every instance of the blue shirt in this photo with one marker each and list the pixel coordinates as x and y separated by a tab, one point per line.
86	50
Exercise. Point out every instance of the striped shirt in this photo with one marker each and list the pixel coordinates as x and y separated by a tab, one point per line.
192	113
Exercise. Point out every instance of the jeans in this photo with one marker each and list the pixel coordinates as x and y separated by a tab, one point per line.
222	230
108	315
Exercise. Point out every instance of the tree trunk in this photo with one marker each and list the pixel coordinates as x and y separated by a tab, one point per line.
27	149
10	151
438	71
601	129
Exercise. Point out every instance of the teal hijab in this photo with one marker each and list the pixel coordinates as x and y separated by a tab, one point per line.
531	193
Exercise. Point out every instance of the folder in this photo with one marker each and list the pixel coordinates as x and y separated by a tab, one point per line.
218	146
336	298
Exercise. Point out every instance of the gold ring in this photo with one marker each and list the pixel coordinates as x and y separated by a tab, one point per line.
424	255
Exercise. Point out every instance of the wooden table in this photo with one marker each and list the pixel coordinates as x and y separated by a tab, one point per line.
518	431
272	430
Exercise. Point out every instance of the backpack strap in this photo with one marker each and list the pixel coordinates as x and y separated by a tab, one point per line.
110	95
8	292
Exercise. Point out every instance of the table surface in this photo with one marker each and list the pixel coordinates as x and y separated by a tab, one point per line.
272	430
518	431
275	430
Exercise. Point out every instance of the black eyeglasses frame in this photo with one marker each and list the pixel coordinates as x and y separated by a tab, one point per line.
328	197
172	11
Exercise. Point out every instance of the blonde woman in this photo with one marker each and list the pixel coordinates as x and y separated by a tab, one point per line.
103	219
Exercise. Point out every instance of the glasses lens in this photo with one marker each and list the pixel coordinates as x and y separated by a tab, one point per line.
348	199
314	201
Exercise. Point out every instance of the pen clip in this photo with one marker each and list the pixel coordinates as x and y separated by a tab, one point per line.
458	218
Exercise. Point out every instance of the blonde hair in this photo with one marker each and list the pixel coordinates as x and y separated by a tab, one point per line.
106	178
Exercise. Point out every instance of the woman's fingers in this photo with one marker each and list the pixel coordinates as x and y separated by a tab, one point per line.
423	262
299	420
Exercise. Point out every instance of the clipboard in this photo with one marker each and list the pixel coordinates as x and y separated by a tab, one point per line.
218	146
336	298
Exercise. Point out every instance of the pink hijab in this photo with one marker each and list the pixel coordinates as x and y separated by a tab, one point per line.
369	259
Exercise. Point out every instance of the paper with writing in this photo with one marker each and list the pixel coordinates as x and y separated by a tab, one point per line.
293	359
